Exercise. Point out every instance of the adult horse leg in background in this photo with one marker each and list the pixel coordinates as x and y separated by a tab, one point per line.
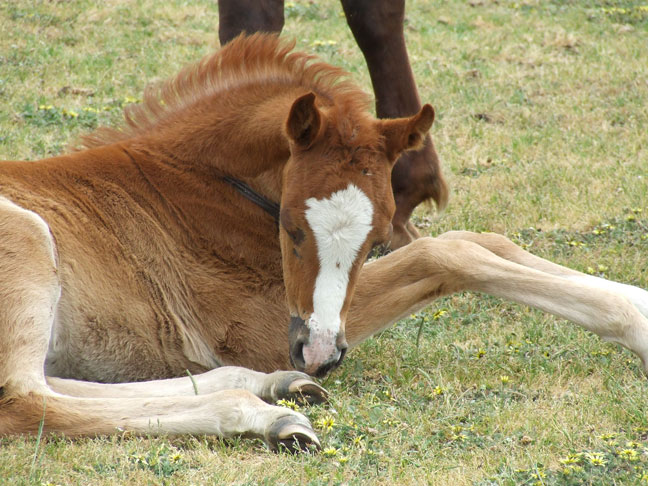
249	16
406	280
377	26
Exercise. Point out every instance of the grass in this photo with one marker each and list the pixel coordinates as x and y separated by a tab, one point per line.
542	125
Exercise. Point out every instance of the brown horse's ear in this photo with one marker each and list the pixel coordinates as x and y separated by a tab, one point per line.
304	121
403	134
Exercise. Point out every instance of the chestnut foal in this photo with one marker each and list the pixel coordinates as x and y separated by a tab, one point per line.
224	231
377	26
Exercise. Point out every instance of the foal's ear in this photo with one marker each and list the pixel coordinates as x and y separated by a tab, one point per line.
304	121
403	134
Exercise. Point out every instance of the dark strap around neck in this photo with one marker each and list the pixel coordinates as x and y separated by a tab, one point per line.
270	207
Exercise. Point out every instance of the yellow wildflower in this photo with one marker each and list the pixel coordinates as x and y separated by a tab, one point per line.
539	474
288	404
629	454
595	458
570	459
439	314
325	423
438	390
568	470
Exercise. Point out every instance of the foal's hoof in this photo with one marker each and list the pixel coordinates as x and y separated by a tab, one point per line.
292	434
307	391
297	386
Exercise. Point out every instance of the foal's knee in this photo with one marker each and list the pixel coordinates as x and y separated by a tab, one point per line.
450	261
25	236
493	242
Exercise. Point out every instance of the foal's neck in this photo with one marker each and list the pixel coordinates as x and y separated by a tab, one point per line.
238	134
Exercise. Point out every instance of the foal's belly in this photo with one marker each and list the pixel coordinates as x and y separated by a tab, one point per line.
114	347
109	329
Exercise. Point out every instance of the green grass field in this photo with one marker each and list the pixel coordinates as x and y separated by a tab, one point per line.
542	127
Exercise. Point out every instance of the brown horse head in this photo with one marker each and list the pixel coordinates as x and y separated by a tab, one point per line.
336	204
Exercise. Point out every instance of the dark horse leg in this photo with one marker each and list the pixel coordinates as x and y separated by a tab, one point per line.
249	16
377	26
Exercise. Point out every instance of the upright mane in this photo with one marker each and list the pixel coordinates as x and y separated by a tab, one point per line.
245	60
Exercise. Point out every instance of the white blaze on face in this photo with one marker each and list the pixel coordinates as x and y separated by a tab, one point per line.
340	224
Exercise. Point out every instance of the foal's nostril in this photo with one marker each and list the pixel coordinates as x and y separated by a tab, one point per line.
343	350
298	335
297	356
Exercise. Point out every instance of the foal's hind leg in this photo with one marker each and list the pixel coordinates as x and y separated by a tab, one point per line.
392	287
505	248
29	291
223	414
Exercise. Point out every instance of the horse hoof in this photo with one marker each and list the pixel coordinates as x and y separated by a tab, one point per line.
307	391
301	388
291	434
400	238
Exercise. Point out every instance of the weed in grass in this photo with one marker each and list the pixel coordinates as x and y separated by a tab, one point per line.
46	115
607	464
163	460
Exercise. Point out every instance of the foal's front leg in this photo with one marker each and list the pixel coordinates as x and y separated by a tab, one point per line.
406	280
270	387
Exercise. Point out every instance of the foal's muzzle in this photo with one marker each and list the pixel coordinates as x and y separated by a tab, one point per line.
315	355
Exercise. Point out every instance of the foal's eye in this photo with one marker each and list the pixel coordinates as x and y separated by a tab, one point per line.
365	171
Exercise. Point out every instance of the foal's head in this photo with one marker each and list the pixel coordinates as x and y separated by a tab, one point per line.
337	203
